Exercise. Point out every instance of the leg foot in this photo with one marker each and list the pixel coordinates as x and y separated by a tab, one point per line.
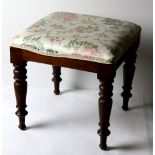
22	125
56	79
20	87
103	140
125	107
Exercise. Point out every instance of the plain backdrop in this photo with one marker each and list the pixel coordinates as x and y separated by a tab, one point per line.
18	15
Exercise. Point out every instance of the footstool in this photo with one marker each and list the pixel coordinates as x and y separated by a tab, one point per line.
84	42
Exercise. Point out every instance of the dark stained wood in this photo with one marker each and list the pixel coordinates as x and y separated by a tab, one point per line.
105	74
128	74
20	86
105	105
56	79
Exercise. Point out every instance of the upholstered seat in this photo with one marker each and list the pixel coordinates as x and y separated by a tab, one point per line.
78	36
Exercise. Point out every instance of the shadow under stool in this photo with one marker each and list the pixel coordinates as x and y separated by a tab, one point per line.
84	42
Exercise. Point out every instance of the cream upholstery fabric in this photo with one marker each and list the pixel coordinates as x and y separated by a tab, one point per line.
77	36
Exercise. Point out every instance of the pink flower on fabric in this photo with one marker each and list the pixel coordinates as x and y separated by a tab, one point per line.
64	16
88	50
76	52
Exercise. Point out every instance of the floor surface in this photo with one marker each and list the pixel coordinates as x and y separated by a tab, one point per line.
67	124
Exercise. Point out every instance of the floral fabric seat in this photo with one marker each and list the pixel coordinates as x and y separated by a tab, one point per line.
78	36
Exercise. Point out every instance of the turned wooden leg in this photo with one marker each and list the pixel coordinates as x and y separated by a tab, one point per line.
105	105
56	79
20	87
128	74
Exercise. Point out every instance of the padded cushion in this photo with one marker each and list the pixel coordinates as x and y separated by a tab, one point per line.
77	36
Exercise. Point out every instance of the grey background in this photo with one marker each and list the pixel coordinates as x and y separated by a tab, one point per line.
61	121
